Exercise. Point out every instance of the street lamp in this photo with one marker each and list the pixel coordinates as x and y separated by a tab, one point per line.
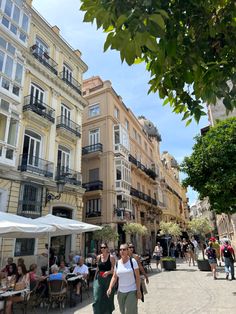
60	189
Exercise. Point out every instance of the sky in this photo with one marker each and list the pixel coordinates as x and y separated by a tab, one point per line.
130	82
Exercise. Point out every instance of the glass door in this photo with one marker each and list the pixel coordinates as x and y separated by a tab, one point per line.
31	148
65	115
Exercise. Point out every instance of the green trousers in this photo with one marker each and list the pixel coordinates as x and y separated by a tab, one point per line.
128	302
102	304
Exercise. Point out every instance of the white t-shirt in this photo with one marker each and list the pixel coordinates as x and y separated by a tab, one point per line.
81	269
126	276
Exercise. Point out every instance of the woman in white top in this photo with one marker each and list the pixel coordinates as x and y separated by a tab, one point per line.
127	271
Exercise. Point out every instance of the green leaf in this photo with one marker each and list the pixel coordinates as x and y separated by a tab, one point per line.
158	19
188	122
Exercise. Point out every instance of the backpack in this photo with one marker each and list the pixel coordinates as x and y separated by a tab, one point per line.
226	252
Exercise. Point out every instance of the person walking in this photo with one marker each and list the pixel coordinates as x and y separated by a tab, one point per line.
129	282
105	267
228	257
190	250
157	254
211	255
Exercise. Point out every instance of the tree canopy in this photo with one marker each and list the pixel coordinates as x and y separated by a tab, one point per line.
106	234
200	226
211	169
135	228
170	228
189	47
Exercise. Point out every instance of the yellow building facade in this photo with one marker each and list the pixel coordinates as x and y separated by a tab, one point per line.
46	120
123	172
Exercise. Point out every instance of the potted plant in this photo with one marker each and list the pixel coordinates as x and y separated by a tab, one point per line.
170	230
201	226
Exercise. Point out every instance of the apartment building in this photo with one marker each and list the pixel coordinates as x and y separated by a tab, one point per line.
42	124
121	166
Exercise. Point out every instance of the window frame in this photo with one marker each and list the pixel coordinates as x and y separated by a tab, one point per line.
94	110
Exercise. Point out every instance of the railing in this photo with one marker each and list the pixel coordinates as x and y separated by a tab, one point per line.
68	176
35	164
44	58
33	104
93	186
139	165
29	209
69	80
92	148
142	196
64	122
93	214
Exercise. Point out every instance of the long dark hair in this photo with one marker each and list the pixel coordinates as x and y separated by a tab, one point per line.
24	271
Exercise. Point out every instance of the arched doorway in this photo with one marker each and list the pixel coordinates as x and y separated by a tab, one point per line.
61	245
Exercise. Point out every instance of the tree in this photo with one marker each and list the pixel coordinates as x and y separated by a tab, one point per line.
211	169
107	234
135	228
189	47
200	226
170	229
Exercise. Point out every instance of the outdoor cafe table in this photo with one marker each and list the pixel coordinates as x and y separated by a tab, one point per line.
71	281
10	293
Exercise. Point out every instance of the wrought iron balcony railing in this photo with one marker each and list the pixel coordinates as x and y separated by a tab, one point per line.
44	58
65	123
139	165
93	186
92	148
69	80
33	104
69	176
35	164
93	213
142	196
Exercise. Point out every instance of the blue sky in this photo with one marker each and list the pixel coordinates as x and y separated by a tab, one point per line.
129	82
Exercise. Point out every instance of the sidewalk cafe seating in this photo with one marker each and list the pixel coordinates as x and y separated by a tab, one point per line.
57	290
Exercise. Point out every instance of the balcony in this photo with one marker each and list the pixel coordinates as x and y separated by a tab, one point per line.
143	196
92	149
40	108
44	58
123	214
66	125
29	209
140	166
36	165
93	186
93	213
69	176
69	80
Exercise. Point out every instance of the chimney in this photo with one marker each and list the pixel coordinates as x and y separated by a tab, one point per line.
56	29
29	2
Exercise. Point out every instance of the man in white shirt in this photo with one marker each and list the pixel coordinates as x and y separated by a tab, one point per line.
81	269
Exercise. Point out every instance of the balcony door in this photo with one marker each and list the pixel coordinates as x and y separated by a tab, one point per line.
36	95
63	160
94	137
65	115
42	49
31	148
67	73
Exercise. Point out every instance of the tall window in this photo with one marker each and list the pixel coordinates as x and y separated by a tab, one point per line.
30	201
116	113
123	179
63	159
126	124
43	49
94	137
31	149
93	208
36	94
67	73
121	136
15	19
11	67
94	110
66	115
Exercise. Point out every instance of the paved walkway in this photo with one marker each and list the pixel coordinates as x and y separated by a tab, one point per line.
184	291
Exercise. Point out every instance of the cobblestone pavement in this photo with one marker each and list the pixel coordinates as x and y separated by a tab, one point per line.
184	291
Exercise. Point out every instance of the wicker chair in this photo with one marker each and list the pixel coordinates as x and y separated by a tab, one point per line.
57	290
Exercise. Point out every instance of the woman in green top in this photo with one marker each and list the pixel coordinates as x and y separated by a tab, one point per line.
105	266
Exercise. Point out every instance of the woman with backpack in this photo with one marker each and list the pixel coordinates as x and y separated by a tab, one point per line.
211	255
127	271
228	257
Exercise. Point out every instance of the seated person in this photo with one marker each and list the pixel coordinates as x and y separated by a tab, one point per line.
10	268
76	259
22	282
37	280
81	269
20	261
55	275
63	269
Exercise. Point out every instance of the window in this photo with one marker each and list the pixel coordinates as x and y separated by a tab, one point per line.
8	67
31	149
42	49
121	137
30	201
63	159
126	124
24	247
94	110
36	94
94	137
123	179
8	7
93	208
3	124
135	134
139	139
3	199
145	146
93	174
65	113
67	73
116	113
25	23
138	186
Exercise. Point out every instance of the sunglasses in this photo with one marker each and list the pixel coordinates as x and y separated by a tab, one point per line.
103	247
123	249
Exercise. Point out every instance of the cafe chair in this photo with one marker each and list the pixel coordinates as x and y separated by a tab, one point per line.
57	292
